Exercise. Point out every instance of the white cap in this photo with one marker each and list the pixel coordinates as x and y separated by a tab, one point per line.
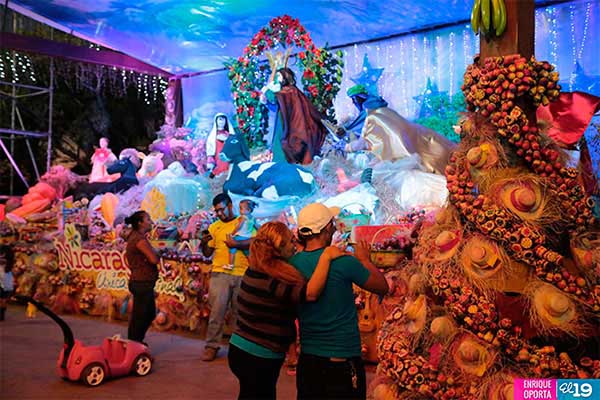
314	217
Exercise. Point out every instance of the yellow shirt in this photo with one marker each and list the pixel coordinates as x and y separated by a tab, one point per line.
219	231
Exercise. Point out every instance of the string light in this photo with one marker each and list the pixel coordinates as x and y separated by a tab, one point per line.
586	23
415	68
439	67
553	35
403	78
537	17
29	66
426	56
466	48
15	74
451	62
573	46
2	73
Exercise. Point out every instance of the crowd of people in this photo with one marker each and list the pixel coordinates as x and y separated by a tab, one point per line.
274	285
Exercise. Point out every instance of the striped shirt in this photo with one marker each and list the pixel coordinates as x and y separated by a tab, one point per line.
267	310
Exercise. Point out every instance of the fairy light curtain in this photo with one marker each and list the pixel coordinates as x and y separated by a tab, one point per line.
565	36
18	67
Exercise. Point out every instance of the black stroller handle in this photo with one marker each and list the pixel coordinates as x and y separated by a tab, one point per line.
66	329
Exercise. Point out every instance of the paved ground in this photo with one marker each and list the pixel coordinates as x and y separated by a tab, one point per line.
29	349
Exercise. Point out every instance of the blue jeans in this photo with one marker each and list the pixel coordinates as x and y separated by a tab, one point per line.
233	250
223	290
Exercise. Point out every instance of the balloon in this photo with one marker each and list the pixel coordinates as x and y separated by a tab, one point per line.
108	205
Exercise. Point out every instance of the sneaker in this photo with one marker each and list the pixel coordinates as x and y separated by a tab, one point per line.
228	267
210	353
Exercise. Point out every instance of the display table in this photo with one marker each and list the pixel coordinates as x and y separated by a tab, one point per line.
92	278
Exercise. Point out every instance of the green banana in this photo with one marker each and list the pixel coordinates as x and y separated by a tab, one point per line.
486	16
475	17
496	14
501	27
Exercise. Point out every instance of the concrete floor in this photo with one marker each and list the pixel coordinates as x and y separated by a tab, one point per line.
29	349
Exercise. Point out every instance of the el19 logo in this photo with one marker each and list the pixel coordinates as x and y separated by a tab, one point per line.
577	388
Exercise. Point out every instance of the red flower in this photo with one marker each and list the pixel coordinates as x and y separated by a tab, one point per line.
313	90
251	111
302	55
328	87
308	74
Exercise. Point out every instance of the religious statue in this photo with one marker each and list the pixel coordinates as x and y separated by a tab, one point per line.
219	133
298	130
389	136
102	157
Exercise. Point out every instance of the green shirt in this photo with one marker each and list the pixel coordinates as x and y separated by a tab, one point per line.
329	326
254	348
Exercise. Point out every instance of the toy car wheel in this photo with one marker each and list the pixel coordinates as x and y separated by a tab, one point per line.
93	374
142	365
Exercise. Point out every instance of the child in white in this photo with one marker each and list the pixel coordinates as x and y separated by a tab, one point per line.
246	227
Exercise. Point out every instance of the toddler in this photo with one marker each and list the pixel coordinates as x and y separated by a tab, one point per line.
246	227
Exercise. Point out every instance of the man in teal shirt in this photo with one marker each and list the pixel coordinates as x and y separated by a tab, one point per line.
330	365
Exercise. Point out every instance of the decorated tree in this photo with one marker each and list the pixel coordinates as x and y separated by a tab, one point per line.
506	282
321	74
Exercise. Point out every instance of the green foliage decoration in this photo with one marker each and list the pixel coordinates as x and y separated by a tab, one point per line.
321	74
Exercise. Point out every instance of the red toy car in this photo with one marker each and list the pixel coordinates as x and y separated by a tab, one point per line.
92	364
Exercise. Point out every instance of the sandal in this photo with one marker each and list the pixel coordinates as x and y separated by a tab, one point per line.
291	369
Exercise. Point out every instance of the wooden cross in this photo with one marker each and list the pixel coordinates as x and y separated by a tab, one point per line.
519	35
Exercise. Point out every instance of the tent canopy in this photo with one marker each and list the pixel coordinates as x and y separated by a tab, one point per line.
182	36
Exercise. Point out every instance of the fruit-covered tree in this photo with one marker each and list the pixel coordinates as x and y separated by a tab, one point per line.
506	282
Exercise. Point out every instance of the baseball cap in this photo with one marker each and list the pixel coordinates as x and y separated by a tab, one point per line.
314	217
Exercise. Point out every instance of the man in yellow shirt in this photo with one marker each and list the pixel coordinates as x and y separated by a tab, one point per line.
225	279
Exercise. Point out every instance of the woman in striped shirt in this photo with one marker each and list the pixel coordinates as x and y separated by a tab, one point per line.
269	293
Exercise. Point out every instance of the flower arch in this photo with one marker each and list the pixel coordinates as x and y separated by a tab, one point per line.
321	74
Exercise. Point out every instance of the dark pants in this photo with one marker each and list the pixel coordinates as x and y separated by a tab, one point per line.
144	309
320	378
258	376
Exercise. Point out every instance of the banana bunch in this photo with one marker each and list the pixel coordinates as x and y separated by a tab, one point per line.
489	18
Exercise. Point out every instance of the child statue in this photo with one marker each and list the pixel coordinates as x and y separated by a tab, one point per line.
102	157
